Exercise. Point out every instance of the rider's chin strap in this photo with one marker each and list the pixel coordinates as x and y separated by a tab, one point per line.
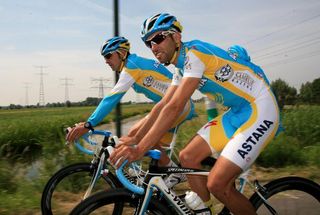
174	55
123	59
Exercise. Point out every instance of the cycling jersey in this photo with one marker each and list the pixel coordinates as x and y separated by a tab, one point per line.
145	76
253	117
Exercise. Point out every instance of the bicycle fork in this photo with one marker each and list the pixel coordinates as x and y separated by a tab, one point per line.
261	189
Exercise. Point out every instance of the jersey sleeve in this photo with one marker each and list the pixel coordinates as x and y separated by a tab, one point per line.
193	66
112	99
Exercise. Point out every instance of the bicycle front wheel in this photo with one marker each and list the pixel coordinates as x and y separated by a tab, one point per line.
289	195
66	188
116	202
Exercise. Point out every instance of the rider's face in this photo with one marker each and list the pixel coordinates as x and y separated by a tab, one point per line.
113	60
162	46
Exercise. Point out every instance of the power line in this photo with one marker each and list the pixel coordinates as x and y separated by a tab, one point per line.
295	58
66	85
284	28
41	91
101	85
281	43
288	49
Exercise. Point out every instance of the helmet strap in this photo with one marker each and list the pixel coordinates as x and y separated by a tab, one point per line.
123	58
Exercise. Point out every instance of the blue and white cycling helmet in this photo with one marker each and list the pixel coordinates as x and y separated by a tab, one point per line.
114	44
159	22
239	52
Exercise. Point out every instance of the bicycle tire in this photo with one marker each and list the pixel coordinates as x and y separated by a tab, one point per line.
122	199
64	173
298	188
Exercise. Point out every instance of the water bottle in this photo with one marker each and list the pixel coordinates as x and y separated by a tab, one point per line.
193	201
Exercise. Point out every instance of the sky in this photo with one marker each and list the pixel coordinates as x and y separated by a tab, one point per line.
63	39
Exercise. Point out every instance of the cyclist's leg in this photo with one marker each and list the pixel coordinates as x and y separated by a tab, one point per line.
202	146
254	132
218	134
191	156
221	185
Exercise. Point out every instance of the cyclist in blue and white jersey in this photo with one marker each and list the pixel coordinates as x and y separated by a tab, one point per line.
145	76
237	136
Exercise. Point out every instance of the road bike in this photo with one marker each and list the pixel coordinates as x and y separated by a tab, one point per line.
152	196
76	182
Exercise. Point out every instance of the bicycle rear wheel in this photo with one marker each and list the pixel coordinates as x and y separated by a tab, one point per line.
116	202
289	195
66	188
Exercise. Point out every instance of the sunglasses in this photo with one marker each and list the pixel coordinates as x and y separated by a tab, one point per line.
159	38
108	56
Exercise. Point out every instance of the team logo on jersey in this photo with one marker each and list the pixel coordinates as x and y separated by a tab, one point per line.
211	123
224	74
243	79
254	138
148	81
160	86
156	84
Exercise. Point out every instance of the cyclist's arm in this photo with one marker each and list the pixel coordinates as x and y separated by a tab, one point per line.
166	118
104	108
130	139
111	100
154	113
185	87
169	113
134	129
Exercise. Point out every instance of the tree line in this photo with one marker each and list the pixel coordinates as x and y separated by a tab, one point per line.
89	101
309	93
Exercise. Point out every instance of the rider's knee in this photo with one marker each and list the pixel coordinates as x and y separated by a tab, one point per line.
183	157
186	158
218	188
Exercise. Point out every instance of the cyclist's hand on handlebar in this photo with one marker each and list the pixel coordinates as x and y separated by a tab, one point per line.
76	132
126	140
122	153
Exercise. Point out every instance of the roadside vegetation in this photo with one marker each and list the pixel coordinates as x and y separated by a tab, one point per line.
32	148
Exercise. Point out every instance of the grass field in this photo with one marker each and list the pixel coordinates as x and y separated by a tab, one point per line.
27	131
32	148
